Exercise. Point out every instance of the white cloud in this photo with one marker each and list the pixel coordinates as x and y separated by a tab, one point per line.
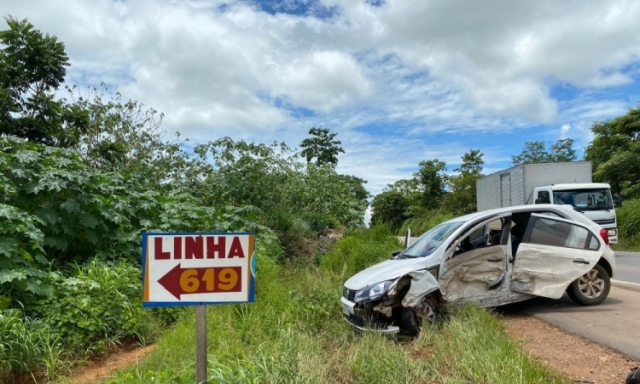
412	68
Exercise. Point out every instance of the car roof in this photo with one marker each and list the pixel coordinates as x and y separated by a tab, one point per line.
568	209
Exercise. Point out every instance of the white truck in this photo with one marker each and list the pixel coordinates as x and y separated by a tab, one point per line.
554	183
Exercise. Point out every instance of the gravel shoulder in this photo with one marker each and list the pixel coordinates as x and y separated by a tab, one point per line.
579	359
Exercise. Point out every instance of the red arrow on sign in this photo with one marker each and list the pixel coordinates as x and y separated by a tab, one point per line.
179	281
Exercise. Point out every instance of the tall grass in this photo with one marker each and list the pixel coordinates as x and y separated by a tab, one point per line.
26	343
629	226
421	224
362	248
294	333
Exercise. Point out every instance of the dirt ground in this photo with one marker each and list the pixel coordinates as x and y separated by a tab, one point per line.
100	369
581	360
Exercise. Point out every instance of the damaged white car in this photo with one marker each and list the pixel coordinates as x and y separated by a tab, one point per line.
492	258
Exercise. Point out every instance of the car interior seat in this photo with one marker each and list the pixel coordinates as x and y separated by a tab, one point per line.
518	233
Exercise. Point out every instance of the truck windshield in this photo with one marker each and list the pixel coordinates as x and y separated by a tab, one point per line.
585	199
431	240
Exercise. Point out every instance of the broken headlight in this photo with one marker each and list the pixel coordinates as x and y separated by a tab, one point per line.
373	292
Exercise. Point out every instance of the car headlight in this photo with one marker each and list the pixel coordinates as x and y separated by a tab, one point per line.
373	292
612	232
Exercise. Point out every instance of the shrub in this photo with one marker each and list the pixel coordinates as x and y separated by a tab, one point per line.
629	224
361	248
97	307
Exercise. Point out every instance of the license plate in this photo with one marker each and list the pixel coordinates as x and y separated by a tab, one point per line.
347	308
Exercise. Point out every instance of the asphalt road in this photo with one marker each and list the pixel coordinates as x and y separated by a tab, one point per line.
628	267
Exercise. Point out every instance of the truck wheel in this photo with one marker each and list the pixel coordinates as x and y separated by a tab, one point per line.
591	288
412	319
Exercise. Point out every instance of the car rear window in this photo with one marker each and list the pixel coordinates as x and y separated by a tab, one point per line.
559	234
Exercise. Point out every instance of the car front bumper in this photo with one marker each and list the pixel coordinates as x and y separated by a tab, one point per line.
365	319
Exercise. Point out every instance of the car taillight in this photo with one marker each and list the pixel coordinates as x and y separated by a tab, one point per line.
605	237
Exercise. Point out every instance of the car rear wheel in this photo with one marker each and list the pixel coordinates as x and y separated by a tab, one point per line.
591	288
413	318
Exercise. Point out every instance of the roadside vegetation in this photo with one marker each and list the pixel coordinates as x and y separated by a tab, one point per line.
629	226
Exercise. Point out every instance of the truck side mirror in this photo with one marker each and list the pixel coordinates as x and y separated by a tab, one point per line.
617	201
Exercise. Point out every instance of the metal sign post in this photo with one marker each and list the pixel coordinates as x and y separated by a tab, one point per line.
198	269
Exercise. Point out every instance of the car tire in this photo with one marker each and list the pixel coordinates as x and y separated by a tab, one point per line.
591	288
412	319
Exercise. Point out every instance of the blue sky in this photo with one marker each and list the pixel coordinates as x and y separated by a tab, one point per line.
400	81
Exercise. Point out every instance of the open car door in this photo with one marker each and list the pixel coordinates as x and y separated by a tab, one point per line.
553	253
473	267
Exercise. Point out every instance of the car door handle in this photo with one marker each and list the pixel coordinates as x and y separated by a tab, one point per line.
580	261
494	260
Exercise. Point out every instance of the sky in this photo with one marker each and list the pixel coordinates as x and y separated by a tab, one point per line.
400	81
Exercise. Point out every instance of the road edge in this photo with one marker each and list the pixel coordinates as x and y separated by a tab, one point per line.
626	285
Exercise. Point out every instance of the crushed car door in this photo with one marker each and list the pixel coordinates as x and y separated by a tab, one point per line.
554	252
471	274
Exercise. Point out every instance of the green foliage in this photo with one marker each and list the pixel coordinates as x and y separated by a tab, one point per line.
96	307
629	225
431	181
615	153
389	207
25	343
32	67
360	249
321	146
421	224
461	198
536	152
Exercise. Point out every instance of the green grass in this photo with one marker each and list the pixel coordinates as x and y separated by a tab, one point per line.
26	343
294	333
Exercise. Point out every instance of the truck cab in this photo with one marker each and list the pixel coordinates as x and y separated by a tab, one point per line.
592	199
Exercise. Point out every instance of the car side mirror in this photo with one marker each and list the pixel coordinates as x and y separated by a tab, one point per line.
617	201
396	253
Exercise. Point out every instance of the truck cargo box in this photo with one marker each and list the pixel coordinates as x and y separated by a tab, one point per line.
514	186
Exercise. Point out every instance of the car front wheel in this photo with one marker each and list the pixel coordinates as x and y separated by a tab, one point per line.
591	288
413	318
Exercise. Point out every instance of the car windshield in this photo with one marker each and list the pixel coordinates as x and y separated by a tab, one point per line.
431	240
585	199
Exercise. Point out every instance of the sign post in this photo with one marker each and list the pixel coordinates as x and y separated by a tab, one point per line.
198	269
201	344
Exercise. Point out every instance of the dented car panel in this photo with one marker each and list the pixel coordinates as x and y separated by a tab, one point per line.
551	278
491	258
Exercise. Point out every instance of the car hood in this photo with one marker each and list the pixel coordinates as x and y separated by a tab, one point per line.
386	270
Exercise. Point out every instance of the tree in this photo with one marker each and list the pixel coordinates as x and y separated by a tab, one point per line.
32	67
389	207
533	152
321	146
615	153
431	181
461	198
562	151
536	152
